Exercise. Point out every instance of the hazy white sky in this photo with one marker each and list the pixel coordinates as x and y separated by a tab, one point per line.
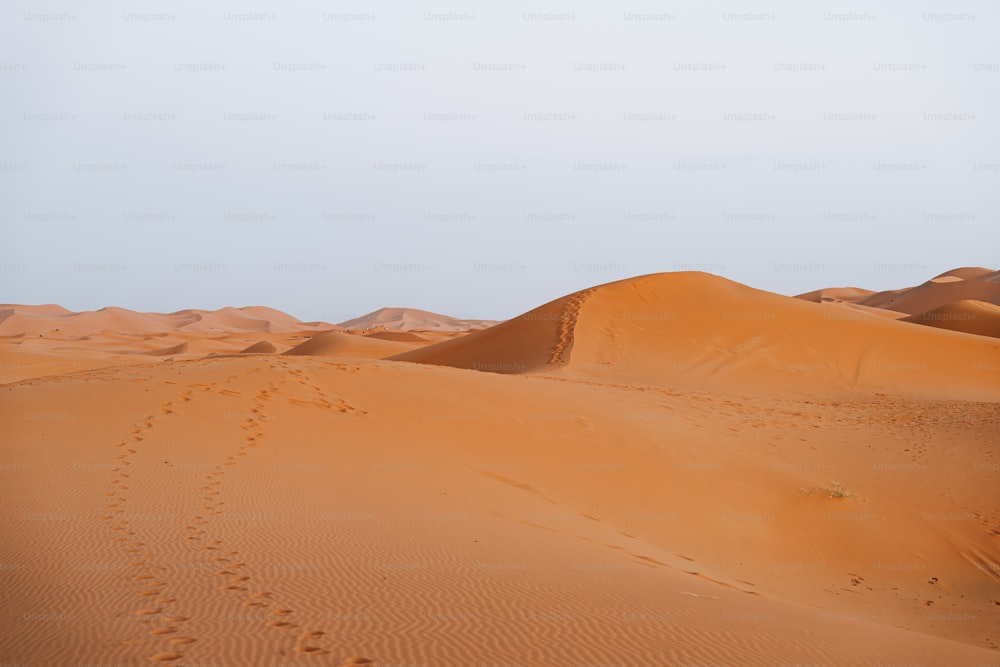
478	158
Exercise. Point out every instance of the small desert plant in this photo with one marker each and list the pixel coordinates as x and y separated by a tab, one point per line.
838	491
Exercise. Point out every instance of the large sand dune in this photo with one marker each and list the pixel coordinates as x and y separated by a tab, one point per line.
695	329
670	470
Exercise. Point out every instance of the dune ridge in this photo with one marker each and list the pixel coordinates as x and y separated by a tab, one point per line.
960	300
412	319
20	320
694	329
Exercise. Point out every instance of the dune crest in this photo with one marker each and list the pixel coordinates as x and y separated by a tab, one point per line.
34	320
412	319
967	315
341	344
699	330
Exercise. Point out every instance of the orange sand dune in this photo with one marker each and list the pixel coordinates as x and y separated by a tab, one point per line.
403	336
975	317
966	273
674	469
409	319
33	320
54	353
849	294
266	510
698	330
340	344
260	347
179	348
957	285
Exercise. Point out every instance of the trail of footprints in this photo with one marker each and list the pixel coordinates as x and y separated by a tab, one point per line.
322	399
567	322
233	575
145	571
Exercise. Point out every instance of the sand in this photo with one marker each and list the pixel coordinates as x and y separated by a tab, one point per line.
412	319
670	470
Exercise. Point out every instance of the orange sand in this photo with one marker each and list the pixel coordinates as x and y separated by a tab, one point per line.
669	470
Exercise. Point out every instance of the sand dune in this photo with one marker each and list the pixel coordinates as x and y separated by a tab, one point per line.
966	273
402	336
260	347
849	294
340	344
34	320
698	330
957	285
674	469
179	348
969	316
309	511
410	319
960	299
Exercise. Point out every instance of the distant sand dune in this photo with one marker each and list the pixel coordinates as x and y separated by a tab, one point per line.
340	344
849	294
969	316
260	347
409	319
34	320
402	336
957	285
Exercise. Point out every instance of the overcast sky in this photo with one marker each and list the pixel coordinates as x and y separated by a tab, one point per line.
478	159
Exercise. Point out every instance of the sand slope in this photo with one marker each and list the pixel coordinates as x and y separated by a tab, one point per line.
698	330
260	347
970	316
956	285
341	344
20	320
300	510
849	294
410	319
670	470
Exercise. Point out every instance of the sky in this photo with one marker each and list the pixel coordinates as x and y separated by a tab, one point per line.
479	159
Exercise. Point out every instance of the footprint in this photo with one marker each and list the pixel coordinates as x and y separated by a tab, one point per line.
314	650
149	612
165	657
